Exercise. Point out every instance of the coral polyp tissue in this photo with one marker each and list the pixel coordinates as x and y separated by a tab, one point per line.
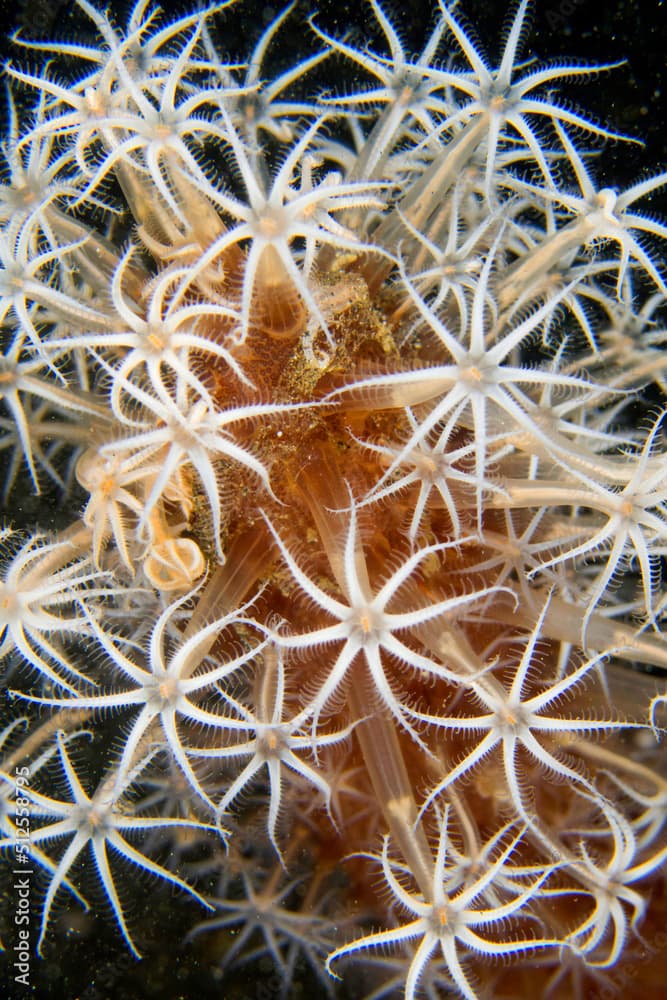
355	636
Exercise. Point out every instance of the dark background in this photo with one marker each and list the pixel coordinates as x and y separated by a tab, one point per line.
88	960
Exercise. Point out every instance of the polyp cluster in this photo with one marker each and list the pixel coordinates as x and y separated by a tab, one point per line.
360	600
